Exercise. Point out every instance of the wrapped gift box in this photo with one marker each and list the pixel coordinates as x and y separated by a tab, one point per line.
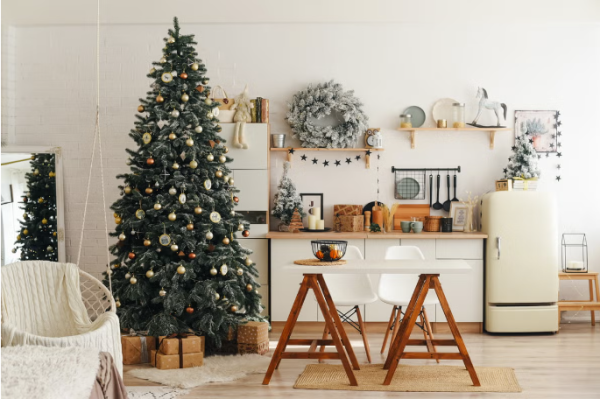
253	332
169	362
260	348
347	210
189	344
231	335
525	185
352	223
136	349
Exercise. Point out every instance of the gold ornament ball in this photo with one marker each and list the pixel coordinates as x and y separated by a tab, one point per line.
49	248
147	243
157	207
149	190
217	296
197	210
193	164
118	304
208	101
234	308
172	191
181	269
213	272
122	237
240	271
160	99
133	280
44	221
171	40
195	66
36	172
249	287
185	98
240	227
172	136
118	220
174	247
114	215
127	190
116	266
25	232
150	273
19	237
226	241
205	81
162	292
189	142
225	149
231	182
222	158
209	235
210	157
219	173
172	216
248	261
41	200
140	108
163	60
152	70
54	234
190	226
198	129
210	115
175	165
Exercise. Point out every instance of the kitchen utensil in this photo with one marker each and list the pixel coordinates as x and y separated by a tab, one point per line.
442	109
408	212
417	115
454	199
409	184
438	204
430	190
416	227
447	225
407	188
405	226
447	203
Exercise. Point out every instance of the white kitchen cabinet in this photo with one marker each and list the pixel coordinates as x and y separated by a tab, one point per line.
260	256
253	157
426	246
464	293
264	292
253	186
458	249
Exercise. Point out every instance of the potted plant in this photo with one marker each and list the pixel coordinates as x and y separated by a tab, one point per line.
286	200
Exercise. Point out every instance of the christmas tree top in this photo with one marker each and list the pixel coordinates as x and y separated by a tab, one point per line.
523	163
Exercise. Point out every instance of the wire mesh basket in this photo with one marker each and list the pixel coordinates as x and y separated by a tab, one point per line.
329	250
410	185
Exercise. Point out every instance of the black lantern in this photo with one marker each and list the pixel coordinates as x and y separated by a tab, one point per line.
574	253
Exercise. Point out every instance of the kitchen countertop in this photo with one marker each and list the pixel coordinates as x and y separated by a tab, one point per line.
278	235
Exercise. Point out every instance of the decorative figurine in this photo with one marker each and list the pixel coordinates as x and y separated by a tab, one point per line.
241	106
484	102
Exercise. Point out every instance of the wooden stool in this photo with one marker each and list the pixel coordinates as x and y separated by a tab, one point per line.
580	305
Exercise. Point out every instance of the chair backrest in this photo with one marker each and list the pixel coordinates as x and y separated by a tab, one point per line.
390	284
43	298
344	285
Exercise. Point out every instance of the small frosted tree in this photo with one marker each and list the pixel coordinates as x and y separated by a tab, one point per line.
523	163
286	199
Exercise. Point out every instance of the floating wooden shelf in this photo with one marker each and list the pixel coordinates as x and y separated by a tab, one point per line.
302	149
413	132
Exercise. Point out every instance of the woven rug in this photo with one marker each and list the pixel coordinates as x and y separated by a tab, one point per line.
409	379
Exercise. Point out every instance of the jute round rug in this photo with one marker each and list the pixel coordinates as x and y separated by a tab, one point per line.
409	379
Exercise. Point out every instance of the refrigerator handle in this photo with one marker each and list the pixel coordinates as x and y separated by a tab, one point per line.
498	246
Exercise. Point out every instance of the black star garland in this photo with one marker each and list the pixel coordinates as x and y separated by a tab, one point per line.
559	154
325	163
369	152
303	157
558	166
314	161
558	178
348	161
291	150
357	157
338	163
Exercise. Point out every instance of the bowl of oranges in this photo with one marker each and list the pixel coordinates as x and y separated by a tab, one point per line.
329	250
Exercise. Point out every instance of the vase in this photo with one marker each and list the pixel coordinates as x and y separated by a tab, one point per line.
283	227
469	221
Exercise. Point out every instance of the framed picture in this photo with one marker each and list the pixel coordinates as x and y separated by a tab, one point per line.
458	213
8	198
541	127
306	198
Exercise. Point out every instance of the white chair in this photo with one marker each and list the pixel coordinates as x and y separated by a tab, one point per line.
351	290
397	290
56	304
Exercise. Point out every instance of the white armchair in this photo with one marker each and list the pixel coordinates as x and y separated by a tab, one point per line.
56	304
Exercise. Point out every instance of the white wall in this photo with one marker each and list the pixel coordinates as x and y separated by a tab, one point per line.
538	55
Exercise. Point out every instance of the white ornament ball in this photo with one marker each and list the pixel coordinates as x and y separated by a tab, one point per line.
232	213
193	164
209	115
195	66
133	280
172	216
198	129
210	157
231	181
185	98
171	40
150	274
213	271
222	158
240	271
49	248
122	237
208	101
175	165
189	142
217	296
152	70
127	276
225	178
240	227
174	247
209	235
248	261
163	60
215	111
172	191
128	162
175	113
181	269
157	207
223	269
162	292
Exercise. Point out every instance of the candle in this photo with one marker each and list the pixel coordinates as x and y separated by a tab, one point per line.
320	225
575	265
441	123
316	211
405	125
312	222
458	125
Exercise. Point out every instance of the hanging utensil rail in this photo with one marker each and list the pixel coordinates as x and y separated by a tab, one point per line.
394	169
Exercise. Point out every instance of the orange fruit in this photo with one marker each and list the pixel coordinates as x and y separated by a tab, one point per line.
333	254
319	254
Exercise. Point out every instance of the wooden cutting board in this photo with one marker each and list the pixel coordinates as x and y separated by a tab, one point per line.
405	212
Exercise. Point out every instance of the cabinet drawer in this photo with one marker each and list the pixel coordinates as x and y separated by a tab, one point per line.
458	249
255	156
254	192
427	247
260	256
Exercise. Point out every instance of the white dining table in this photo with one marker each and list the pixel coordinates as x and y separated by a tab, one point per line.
428	271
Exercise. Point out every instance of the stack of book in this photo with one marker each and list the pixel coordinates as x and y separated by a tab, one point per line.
260	110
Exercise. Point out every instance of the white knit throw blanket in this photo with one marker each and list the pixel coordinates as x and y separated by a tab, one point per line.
48	372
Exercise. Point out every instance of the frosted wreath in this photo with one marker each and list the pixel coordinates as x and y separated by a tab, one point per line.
318	102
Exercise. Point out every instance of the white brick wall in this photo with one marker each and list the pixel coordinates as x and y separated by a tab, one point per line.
8	84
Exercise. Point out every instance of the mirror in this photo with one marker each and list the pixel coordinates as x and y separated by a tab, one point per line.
32	205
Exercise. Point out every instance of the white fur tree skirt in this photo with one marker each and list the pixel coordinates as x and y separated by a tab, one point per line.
216	369
42	372
154	392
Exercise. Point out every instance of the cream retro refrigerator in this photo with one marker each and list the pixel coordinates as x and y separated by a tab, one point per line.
522	261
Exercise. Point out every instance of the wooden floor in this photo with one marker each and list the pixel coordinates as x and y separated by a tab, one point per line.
564	365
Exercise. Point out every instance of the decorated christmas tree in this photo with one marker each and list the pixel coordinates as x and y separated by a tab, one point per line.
523	163
179	265
286	200
37	237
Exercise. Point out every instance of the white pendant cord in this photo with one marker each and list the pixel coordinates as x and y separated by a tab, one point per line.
97	138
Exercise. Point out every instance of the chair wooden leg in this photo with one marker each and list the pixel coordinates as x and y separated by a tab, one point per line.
454	328
363	332
325	334
389	327
592	300
397	324
429	334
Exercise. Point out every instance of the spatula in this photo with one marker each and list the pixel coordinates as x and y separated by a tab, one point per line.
447	203
430	191
438	205
454	199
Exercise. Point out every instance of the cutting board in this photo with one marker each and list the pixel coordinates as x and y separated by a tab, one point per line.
405	212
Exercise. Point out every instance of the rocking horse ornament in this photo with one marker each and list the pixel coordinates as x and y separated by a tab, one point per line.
484	102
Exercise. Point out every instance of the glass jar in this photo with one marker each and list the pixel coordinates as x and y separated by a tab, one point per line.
405	121
458	114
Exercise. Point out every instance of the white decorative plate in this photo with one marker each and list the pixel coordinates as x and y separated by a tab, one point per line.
442	109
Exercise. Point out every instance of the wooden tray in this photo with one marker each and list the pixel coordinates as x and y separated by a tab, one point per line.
405	212
317	262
